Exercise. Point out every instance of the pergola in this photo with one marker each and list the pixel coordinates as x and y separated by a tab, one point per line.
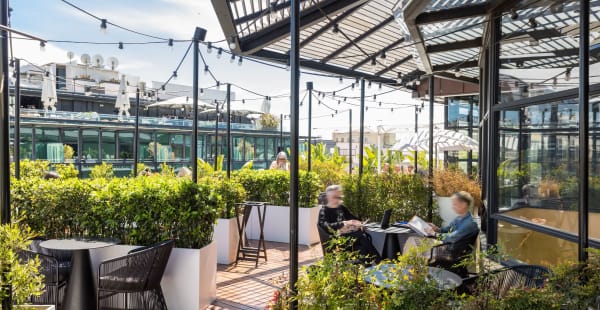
458	46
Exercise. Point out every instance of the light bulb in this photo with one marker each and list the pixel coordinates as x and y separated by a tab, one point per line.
457	72
174	75
103	26
568	74
219	53
418	82
341	81
170	44
232	59
232	44
120	45
369	85
240	61
42	46
209	47
205	69
218	85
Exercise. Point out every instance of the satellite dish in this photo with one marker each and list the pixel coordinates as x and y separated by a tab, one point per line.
86	59
98	61
113	62
70	55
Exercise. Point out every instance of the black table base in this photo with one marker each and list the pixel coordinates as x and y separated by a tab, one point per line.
81	293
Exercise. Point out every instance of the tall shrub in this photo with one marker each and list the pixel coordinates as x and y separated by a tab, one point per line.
370	195
273	186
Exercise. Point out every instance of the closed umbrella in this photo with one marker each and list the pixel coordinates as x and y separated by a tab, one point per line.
48	92
123	103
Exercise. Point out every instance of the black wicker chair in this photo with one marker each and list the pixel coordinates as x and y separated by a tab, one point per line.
499	282
133	281
449	255
54	284
324	236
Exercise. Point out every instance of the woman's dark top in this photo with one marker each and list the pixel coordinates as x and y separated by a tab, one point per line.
333	218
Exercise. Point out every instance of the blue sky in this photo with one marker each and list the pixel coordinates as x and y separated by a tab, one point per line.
53	19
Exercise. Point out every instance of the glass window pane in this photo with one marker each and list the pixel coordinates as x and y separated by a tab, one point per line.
249	148
271	148
538	163
90	145
145	144
594	178
47	145
108	145
26	143
238	149
125	145
260	149
163	147
70	138
533	247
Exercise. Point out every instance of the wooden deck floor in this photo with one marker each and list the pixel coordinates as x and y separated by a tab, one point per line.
246	287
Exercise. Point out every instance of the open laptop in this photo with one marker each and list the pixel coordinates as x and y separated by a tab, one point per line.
385	220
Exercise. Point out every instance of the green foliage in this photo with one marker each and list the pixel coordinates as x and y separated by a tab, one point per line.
422	160
24	277
273	186
140	167
268	121
66	171
166	170
68	151
368	197
31	168
102	171
229	193
330	168
139	211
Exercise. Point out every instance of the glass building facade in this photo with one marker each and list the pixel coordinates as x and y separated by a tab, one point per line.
462	115
540	210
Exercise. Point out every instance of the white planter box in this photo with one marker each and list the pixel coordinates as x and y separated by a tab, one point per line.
190	279
445	210
226	236
277	225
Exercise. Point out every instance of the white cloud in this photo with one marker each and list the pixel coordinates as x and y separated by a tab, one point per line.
30	51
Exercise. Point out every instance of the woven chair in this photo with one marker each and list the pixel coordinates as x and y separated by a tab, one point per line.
133	281
54	284
499	282
448	255
324	236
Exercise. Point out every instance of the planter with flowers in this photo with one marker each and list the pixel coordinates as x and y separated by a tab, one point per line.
446	183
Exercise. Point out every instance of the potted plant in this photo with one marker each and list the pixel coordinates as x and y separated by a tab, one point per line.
268	121
69	153
23	277
446	183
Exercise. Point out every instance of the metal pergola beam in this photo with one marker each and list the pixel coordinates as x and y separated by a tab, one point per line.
315	65
252	16
459	45
385	49
394	65
452	14
411	12
456	65
322	30
264	37
361	37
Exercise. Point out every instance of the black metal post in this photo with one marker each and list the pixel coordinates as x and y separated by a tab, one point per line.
294	136
361	134
199	35
350	142
17	139
416	133
229	148
136	134
431	101
4	140
584	124
470	152
216	134
280	133
309	86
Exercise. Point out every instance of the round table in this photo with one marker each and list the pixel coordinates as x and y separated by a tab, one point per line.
389	241
81	292
382	275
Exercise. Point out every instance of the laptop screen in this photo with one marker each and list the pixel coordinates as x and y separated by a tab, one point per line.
385	221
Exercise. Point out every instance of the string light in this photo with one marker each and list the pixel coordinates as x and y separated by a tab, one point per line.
120	45
513	14
219	53
205	69
457	72
533	23
568	74
42	46
399	78
380	86
103	26
341	82
352	86
369	85
336	29
209	47
218	85
554	83
170	43
232	59
240	61
373	61
202	90
174	75
232	44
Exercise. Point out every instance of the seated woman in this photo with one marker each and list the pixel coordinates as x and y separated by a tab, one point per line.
334	217
280	163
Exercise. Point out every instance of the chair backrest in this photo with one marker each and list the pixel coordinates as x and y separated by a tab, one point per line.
520	276
324	236
465	245
162	254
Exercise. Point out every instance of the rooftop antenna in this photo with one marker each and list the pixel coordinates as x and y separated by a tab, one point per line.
70	55
98	61
113	62
86	59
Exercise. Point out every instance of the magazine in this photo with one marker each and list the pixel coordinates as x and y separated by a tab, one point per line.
421	227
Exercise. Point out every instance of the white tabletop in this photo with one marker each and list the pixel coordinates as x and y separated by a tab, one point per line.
75	244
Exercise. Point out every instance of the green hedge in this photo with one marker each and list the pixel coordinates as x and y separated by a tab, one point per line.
273	186
406	195
139	211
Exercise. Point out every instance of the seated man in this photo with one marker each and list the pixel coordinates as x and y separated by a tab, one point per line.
463	226
334	217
